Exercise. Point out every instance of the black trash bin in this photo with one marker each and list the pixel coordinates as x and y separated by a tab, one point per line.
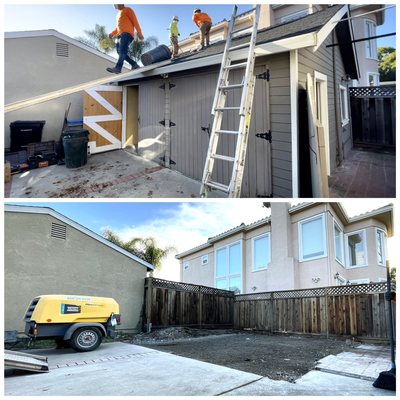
75	144
25	132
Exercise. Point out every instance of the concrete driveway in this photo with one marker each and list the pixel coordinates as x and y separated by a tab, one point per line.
129	370
112	174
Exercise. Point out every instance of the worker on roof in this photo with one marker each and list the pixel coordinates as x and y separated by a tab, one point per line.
203	21
124	33
173	35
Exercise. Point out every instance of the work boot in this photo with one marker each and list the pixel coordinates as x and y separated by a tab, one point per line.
113	70
134	66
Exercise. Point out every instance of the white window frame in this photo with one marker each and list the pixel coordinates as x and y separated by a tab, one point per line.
346	238
336	224
375	76
253	252
304	221
371	49
204	259
186	265
344	106
383	235
294	16
228	276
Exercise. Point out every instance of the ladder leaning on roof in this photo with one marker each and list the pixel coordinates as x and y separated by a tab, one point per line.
246	100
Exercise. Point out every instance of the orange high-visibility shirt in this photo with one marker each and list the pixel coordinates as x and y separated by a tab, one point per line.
127	22
199	18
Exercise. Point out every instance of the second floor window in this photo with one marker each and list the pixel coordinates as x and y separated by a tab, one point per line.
356	249
339	251
370	45
312	238
261	252
380	246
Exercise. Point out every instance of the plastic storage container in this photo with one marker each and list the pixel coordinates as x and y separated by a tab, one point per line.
75	147
160	53
24	132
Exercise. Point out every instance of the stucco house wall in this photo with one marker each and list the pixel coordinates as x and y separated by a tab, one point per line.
287	270
40	62
38	263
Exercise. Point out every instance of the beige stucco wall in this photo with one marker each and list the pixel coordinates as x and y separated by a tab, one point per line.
32	68
286	271
37	264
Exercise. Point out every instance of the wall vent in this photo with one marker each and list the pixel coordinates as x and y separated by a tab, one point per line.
58	231
62	49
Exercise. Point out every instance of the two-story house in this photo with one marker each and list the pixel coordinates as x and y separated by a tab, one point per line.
296	247
364	20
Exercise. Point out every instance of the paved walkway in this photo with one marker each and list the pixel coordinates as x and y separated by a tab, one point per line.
127	370
365	174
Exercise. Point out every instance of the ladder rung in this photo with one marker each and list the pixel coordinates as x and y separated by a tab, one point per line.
227	108
239	46
236	66
227	132
218	186
235	86
223	158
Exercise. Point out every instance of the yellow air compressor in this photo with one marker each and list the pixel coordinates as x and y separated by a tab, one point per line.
77	321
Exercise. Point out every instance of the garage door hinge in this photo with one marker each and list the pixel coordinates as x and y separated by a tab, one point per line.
266	135
171	85
170	123
265	75
171	162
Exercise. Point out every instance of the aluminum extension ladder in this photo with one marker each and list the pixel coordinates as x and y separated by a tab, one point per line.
244	109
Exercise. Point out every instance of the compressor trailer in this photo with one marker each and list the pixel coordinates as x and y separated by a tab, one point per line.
77	321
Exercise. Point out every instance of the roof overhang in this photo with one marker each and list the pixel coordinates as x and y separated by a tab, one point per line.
49	211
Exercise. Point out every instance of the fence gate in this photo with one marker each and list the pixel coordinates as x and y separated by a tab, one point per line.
373	113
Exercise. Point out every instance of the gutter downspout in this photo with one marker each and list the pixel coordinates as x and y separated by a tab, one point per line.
294	79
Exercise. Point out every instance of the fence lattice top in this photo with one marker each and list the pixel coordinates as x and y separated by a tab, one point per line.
373	91
366	288
188	287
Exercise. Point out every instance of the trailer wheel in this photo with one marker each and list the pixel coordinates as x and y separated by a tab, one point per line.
86	339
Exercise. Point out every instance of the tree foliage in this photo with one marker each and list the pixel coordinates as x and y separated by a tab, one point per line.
387	63
144	248
99	40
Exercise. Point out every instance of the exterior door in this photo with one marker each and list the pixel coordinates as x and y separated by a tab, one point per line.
102	106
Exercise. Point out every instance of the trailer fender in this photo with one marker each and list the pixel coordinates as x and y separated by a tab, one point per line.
70	331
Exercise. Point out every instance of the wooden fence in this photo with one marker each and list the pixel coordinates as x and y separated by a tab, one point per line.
355	310
352	310
181	304
373	114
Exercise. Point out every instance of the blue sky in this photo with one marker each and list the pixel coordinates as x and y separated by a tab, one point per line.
73	19
180	224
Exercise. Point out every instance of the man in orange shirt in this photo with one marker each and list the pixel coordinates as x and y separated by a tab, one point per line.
203	21
127	23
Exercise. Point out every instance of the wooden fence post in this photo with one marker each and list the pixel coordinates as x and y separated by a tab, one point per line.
148	302
326	312
200	308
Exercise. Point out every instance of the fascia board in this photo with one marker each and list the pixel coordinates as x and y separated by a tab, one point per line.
323	33
73	224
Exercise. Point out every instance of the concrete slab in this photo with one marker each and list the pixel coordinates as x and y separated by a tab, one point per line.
113	174
125	369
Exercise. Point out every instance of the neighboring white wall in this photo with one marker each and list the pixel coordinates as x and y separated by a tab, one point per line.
32	68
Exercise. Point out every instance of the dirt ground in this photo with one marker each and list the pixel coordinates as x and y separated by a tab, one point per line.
279	357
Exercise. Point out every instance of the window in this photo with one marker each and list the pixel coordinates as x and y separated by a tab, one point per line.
339	251
204	259
370	45
294	16
344	107
261	252
356	249
312	238
185	266
380	246
228	269
373	79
